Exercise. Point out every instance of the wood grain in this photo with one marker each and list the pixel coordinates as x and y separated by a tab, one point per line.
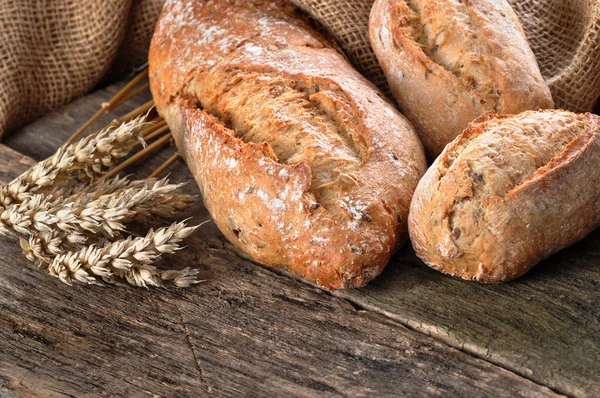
245	331
12	163
544	326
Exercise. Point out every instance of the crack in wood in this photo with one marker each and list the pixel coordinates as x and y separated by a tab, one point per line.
461	347
186	335
358	306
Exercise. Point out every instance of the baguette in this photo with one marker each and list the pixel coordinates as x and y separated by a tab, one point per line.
507	193
300	161
448	62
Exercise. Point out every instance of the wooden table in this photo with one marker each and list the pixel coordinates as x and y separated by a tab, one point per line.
254	331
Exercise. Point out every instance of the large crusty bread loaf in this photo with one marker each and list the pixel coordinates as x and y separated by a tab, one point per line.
449	61
300	161
507	193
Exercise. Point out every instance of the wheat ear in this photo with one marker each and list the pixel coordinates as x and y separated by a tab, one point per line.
87	159
129	260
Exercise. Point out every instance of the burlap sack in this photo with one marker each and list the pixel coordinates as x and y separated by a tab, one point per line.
347	21
565	37
52	51
134	51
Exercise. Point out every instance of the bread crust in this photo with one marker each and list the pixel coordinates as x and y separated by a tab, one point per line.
300	161
448	62
507	193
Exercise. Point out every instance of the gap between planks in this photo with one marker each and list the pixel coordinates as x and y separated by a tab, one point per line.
439	338
403	322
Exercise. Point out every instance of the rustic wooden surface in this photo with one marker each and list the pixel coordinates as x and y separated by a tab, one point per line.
253	331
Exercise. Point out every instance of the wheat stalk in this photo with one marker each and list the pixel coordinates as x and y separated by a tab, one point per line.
122	96
87	159
91	213
128	259
94	191
56	242
55	227
75	230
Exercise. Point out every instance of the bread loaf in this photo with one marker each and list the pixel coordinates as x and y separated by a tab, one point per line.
507	193
300	161
449	61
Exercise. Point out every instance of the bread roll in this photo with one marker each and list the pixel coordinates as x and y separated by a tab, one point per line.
507	193
300	161
449	61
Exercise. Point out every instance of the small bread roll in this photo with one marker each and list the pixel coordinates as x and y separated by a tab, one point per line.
507	193
448	62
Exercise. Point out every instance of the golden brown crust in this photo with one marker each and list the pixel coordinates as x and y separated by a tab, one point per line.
507	193
448	62
300	162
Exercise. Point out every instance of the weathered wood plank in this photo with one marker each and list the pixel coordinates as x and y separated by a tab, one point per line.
245	331
34	142
12	163
545	326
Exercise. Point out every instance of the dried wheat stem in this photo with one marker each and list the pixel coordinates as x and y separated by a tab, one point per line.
130	95
144	152
165	165
153	126
110	105
119	98
141	110
87	124
158	132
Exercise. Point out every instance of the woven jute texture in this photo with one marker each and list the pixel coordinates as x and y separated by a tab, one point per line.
347	21
52	51
565	37
134	50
